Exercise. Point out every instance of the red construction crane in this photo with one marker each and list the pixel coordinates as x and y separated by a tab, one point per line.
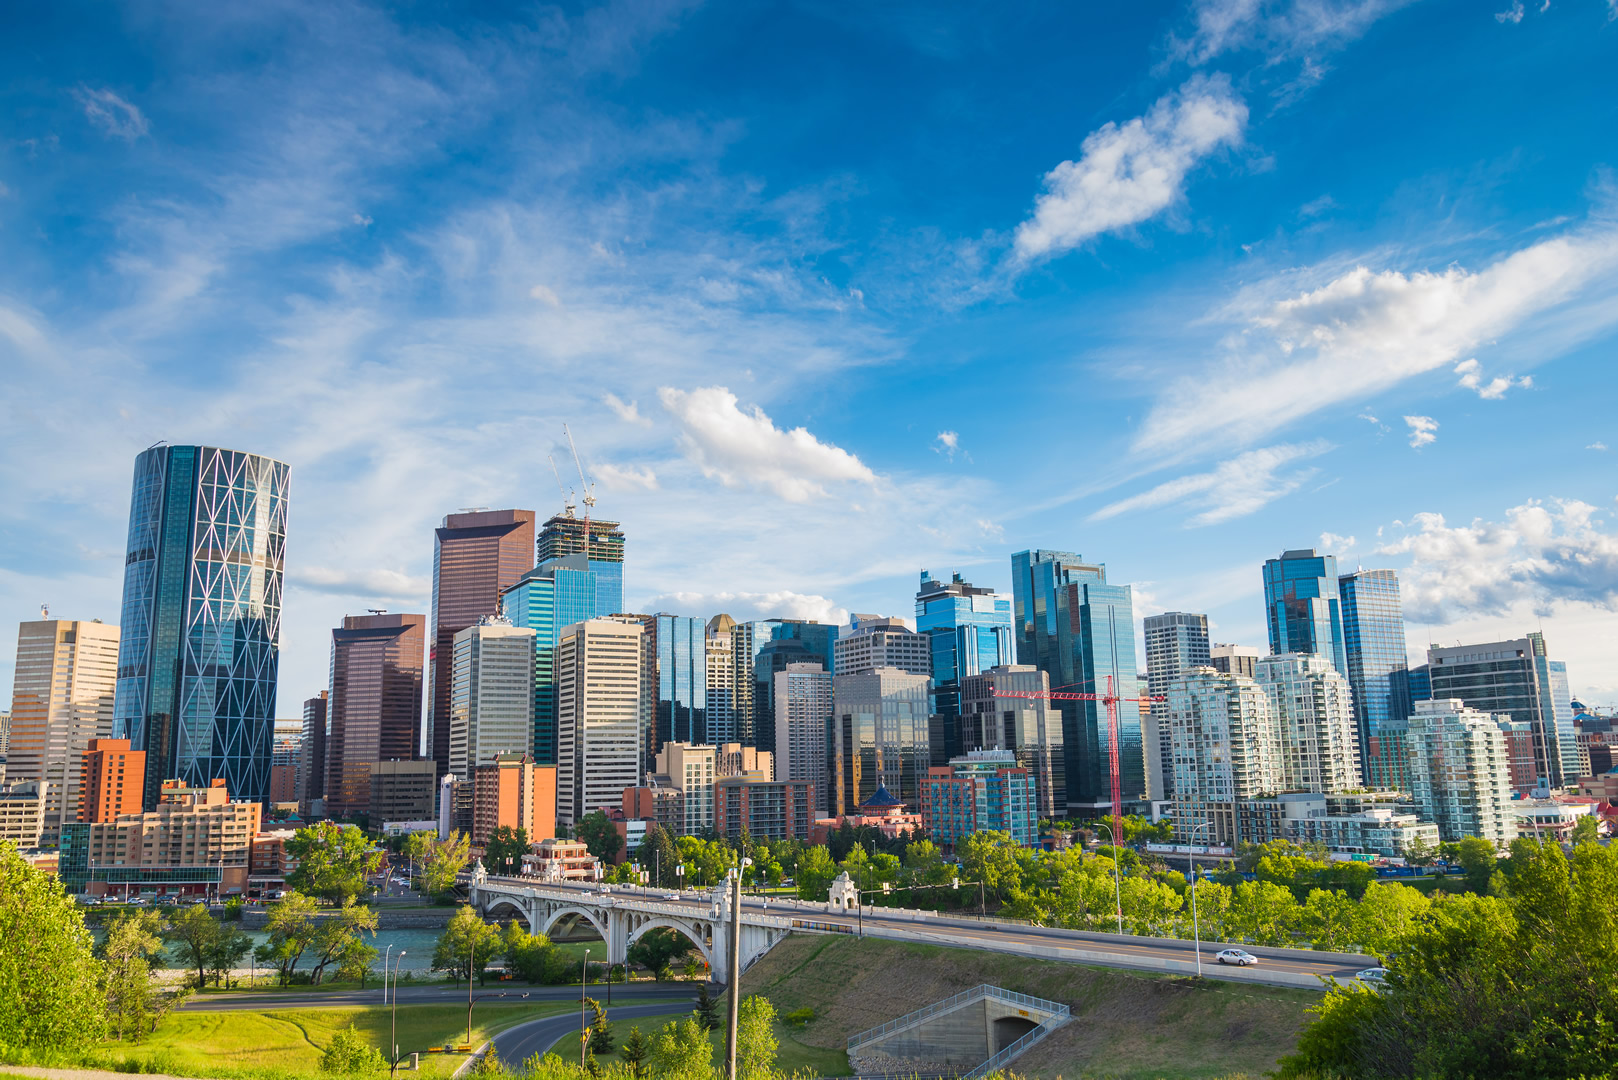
1111	701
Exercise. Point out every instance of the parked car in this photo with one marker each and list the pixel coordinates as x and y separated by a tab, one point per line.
1239	957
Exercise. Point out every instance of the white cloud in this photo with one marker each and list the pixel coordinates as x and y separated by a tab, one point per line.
1127	174
545	295
627	477
1364	330
746	449
373	583
1471	373
1596	446
628	413
1280	29
948	443
1330	541
362	220
1235	488
747	606
1316	207
1423	430
1541	555
1512	14
112	114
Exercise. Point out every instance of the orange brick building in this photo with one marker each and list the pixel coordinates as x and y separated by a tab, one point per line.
111	782
512	791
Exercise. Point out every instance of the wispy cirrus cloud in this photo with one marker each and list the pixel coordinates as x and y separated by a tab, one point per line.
112	114
1235	488
1278	29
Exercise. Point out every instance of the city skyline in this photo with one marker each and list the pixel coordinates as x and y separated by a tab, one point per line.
826	340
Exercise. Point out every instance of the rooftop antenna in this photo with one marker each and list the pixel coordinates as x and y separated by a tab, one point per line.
567	496
588	488
44	612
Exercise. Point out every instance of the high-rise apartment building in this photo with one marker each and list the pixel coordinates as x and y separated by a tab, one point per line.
1303	607
870	642
491	697
376	683
995	716
777	643
600	736
312	765
511	791
61	700
978	791
557	593
601	543
1374	643
690	770
1176	642
1515	678
1459	772
734	759
1079	630
968	631
1314	715
22	812
880	735
803	716
477	556
113	780
201	648
751	804
721	698
1226	749
1233	659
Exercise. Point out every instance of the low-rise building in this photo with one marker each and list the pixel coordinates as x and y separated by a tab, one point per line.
194	840
1552	818
754	805
883	813
268	864
402	790
560	860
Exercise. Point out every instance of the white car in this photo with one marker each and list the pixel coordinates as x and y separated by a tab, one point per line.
1239	957
1374	977
666	896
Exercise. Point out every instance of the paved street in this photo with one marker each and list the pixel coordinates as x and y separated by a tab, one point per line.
515	1044
435	995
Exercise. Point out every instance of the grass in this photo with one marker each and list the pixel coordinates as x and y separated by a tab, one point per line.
793	1057
1125	1026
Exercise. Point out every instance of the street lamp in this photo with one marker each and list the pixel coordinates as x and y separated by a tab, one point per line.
584	1032
1117	873
1196	931
385	958
395	1069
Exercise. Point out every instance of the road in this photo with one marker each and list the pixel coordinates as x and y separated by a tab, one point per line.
431	995
1297	967
515	1044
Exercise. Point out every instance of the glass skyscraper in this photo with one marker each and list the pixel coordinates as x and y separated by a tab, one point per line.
553	595
1080	631
201	644
1519	678
676	674
1374	644
969	631
564	534
777	643
1302	606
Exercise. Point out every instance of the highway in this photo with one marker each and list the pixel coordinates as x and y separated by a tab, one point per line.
515	1044
433	995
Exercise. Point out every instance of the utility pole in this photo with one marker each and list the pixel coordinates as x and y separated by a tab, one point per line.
735	975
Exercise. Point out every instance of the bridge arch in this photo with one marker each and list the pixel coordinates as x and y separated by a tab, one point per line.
690	932
503	910
557	914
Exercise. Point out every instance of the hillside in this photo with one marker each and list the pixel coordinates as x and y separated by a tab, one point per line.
1125	1026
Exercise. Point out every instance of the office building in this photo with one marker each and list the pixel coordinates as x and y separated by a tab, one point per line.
803	716
512	792
1176	642
734	759
1374	644
1079	630
492	695
1459	775
689	770
195	839
722	706
564	535
1233	659
1004	708
375	704
870	642
401	790
977	791
968	630
1522	764
1303	607
1313	712
753	805
557	593
286	759
477	556
600	736
775	644
113	780
1419	683
1226	750
201	647
5	734
312	762
61	700
1516	678
675	666
22	812
880	735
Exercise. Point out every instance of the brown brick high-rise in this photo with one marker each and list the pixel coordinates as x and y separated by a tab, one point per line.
476	556
112	781
376	672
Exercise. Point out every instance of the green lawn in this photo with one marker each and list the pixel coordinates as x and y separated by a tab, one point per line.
794	1056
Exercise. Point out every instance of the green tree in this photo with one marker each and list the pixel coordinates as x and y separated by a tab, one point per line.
466	945
505	849
1262	912
194	932
50	993
442	863
226	952
414	848
1586	830
337	934
600	835
636	1052
1477	857
815	874
1327	920
756	1044
1150	907
132	948
682	1051
348	1054
657	949
707	1010
290	927
530	955
601	1040
658	855
333	861
1385	914
356	960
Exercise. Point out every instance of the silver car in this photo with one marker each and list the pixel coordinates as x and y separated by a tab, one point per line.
1374	977
1239	957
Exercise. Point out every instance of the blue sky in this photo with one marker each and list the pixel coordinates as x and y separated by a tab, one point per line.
832	293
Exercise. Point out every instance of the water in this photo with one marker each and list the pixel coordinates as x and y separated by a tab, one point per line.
418	945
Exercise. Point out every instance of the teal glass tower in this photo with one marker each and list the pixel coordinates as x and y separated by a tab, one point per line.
554	594
201	644
1374	645
1303	606
969	631
1071	624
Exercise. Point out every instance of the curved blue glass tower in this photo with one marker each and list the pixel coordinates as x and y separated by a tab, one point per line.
200	652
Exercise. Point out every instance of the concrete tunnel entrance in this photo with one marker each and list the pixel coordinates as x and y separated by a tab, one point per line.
1008	1029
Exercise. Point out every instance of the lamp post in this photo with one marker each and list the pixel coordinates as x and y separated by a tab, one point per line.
1196	931
471	962
584	1031
394	1071
385	958
1117	873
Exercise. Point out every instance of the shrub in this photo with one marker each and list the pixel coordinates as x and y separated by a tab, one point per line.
800	1017
349	1053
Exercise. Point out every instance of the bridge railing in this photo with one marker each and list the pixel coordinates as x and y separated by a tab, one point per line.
982	990
629	902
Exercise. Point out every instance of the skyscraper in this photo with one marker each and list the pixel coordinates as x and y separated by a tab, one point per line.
564	534
1374	643
777	643
312	767
376	677
1313	711
1514	677
61	700
873	641
557	593
879	736
1080	631
969	631
803	712
600	738
201	648
492	694
721	691
1028	727
1302	606
676	649
477	555
1176	642
1459	771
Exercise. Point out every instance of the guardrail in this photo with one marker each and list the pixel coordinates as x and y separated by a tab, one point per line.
1023	1044
982	990
629	902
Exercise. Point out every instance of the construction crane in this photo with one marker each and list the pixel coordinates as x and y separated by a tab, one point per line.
589	490
1111	700
567	496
